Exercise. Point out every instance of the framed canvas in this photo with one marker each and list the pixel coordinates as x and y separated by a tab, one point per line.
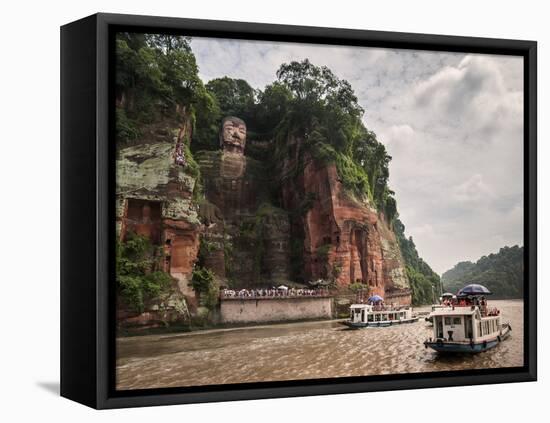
257	211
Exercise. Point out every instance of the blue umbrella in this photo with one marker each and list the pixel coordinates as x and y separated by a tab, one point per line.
375	299
474	289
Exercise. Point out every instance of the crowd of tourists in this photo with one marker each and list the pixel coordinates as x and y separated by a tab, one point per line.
471	301
272	292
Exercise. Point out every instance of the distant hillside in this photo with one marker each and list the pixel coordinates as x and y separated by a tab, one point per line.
424	281
502	273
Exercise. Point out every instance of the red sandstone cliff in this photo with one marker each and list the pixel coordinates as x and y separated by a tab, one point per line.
344	238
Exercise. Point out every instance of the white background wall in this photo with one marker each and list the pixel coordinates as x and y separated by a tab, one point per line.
29	240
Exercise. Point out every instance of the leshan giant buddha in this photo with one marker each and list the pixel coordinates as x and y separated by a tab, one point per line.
233	135
237	201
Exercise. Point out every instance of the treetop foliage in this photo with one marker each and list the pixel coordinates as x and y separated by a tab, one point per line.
157	77
502	273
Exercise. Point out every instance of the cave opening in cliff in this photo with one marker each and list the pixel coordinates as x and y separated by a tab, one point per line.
143	217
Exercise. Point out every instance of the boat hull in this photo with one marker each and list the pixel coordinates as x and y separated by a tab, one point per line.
467	348
455	347
359	325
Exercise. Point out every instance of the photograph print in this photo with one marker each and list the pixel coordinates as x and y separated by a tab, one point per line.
289	211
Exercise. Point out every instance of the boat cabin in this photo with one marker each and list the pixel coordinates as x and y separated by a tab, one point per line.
464	324
378	315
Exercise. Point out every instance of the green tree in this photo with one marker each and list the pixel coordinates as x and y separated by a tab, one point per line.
157	77
272	107
203	284
137	276
321	101
235	96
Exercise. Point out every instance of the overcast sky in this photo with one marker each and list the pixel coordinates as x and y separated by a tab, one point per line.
453	124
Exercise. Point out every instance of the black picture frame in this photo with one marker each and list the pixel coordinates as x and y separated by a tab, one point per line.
87	210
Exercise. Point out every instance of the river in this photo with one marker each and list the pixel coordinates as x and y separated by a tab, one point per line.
293	351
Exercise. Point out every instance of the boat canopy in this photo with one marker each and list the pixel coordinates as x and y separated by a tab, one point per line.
473	289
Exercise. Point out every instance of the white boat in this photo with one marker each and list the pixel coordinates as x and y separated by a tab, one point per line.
368	315
469	328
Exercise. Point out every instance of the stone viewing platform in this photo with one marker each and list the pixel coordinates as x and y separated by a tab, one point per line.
246	306
267	294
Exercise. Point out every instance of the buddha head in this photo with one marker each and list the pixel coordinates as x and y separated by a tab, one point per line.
233	135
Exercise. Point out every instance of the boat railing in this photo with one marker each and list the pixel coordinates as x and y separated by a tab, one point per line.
389	308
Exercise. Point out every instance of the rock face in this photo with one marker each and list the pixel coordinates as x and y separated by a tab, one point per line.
248	231
154	199
344	238
167	309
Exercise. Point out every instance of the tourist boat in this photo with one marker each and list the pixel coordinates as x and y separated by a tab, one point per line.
375	314
469	326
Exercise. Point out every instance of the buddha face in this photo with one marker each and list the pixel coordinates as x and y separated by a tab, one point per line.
233	135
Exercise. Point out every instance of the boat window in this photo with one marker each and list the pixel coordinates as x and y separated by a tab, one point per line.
447	321
369	318
457	321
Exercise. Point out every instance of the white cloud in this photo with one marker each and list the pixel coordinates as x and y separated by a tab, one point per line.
474	190
453	124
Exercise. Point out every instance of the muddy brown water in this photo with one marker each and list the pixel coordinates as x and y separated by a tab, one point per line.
296	351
